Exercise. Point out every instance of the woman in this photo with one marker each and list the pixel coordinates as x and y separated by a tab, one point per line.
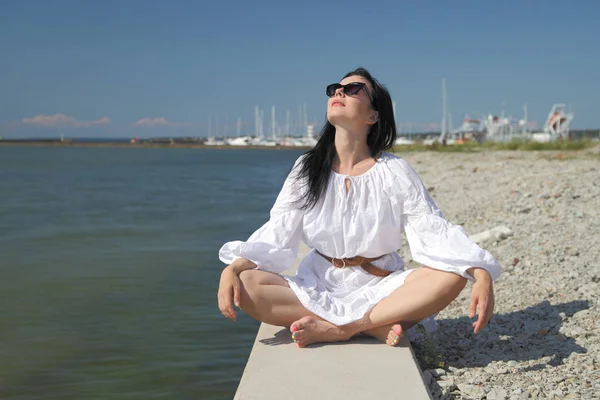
349	201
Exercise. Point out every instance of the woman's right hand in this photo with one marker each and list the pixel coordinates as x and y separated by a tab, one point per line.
229	292
230	286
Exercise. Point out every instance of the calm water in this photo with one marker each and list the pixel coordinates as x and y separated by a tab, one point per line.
109	269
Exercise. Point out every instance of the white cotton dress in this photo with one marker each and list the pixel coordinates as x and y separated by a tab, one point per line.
367	221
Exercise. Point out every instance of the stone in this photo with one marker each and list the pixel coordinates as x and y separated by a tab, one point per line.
497	394
439	372
499	233
521	396
427	377
454	370
471	391
572	251
448	385
577	331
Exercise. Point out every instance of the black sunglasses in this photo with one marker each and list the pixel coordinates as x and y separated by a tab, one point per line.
349	89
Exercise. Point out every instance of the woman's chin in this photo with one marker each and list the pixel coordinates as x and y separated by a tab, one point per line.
335	117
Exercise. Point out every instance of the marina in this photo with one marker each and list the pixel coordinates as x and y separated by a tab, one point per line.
501	128
474	130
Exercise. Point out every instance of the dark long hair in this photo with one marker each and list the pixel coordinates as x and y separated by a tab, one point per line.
315	166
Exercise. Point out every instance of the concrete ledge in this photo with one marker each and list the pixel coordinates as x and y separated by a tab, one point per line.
362	368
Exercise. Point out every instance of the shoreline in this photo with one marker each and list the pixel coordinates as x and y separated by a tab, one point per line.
552	147
142	145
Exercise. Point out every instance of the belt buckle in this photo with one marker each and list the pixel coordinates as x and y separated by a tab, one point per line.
341	259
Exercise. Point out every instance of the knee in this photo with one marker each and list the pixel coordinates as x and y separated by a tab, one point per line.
451	282
251	282
248	277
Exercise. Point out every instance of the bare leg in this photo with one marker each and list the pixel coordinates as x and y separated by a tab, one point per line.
425	292
267	297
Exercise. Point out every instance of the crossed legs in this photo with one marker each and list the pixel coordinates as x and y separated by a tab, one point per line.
268	298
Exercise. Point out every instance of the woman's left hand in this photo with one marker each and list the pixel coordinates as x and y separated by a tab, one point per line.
482	300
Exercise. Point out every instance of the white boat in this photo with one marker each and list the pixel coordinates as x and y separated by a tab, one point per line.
430	140
403	141
261	141
541	137
211	141
239	141
298	142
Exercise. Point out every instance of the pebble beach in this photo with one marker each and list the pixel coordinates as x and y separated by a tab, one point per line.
543	341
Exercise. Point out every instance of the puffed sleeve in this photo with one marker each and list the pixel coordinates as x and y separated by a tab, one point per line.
274	246
433	240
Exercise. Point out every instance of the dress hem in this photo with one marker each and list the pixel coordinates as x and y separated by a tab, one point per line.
315	308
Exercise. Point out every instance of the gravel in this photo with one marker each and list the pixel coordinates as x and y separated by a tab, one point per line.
544	339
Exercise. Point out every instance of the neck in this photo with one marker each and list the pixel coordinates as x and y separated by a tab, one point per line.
350	148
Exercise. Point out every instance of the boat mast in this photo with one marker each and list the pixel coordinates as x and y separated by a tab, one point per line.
443	127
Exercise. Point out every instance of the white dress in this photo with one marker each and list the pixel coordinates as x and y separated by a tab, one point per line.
368	221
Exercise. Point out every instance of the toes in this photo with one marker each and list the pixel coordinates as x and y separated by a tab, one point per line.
300	324
300	342
395	335
397	329
294	327
298	329
297	336
300	332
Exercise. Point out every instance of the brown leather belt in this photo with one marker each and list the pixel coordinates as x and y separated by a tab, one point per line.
363	262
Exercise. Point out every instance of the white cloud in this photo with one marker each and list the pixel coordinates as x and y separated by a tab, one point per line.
102	121
153	122
60	120
162	122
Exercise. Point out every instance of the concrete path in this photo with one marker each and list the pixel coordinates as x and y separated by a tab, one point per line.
362	368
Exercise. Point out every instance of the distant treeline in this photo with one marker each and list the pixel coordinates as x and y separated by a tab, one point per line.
573	134
584	133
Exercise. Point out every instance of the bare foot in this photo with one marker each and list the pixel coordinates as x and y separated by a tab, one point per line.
389	334
309	330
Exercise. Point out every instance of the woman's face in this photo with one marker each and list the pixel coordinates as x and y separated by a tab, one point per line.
355	109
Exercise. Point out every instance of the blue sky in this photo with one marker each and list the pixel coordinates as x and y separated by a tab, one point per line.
125	68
